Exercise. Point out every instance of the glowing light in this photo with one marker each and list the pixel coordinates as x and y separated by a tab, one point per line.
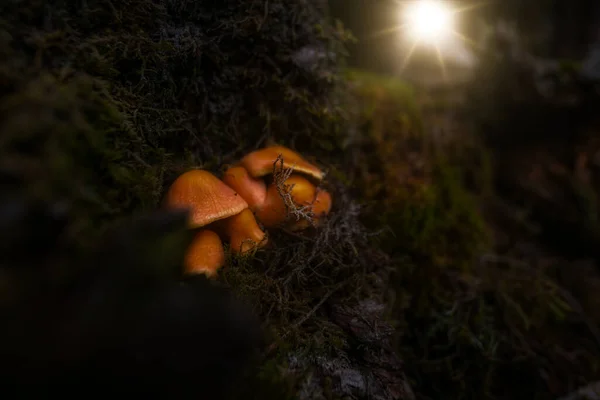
432	23
429	21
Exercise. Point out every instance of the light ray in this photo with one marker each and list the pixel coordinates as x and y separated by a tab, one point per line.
432	30
408	55
464	38
387	31
471	7
441	61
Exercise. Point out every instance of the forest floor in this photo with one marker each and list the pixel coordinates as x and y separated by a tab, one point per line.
425	280
526	259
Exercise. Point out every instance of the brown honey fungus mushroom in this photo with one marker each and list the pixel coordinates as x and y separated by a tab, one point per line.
321	205
274	211
270	208
253	190
205	255
259	163
220	210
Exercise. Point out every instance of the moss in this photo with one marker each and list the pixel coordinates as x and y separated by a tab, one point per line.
104	103
471	320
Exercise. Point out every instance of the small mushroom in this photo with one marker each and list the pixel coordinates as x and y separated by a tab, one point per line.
274	211
216	207
320	208
271	210
259	163
205	254
253	190
322	203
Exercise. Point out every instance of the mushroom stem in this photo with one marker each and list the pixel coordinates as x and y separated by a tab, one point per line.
242	232
205	255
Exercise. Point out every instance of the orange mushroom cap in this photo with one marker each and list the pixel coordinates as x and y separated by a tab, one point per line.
322	204
213	202
206	196
253	190
260	162
205	255
320	208
274	211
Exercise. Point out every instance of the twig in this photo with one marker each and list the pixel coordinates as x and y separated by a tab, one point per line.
280	175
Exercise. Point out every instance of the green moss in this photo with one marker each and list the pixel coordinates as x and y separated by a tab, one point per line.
104	103
440	221
470	320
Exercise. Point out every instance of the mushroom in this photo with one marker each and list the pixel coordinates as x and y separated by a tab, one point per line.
220	210
205	255
253	190
259	163
271	209
321	206
275	210
243	232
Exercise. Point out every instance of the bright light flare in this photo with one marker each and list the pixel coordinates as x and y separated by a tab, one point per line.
432	23
429	21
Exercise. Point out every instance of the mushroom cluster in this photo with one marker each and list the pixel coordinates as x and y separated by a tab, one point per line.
274	186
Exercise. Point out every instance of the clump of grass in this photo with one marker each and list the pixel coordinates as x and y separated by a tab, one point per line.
292	280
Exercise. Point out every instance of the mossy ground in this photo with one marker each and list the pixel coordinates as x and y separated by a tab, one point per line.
103	104
474	316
